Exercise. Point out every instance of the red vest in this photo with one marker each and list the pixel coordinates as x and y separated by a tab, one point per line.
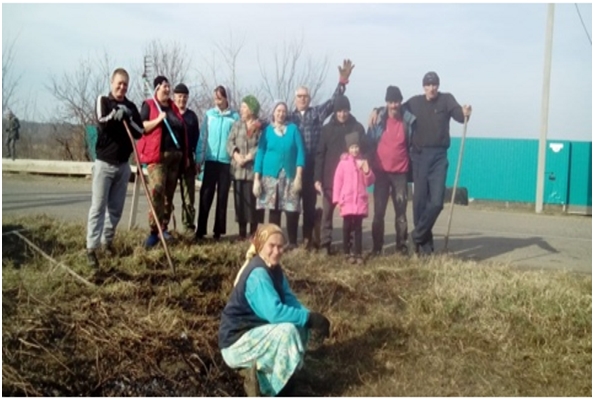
149	146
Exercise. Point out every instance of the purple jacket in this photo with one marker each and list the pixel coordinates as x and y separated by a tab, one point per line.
350	187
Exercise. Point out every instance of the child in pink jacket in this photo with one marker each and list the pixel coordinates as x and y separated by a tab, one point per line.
351	179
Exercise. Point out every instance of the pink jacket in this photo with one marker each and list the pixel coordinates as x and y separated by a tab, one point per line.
350	187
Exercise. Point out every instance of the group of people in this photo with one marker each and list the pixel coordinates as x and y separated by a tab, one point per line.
280	164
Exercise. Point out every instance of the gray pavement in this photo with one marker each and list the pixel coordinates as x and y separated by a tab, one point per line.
515	238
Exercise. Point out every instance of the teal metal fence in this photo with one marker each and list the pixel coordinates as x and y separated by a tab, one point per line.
505	170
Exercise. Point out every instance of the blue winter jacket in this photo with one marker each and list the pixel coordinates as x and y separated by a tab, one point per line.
280	152
214	132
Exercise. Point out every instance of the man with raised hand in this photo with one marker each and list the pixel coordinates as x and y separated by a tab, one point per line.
309	120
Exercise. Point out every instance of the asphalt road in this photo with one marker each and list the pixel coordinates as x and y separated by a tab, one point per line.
517	238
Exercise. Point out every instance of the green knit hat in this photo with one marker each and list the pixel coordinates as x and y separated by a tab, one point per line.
252	104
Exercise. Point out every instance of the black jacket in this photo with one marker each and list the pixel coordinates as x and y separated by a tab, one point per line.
113	144
332	145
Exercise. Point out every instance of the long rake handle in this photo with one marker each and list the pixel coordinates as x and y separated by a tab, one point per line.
458	167
148	197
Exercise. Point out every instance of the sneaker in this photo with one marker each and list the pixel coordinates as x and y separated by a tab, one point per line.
109	250
359	260
167	236
376	253
351	259
327	250
402	250
307	244
151	240
92	260
250	381
424	250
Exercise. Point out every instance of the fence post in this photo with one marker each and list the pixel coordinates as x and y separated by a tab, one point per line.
134	206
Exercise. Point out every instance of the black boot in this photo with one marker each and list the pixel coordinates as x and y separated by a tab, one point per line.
242	231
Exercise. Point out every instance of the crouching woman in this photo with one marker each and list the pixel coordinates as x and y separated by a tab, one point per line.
264	328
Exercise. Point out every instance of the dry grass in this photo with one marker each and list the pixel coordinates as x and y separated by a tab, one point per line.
401	327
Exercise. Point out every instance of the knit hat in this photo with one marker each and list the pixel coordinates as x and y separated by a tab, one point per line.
159	80
252	103
342	103
181	89
351	139
430	78
393	94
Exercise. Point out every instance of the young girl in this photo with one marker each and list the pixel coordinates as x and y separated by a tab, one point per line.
351	179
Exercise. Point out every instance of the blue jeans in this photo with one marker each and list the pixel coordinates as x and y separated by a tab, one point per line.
430	167
110	183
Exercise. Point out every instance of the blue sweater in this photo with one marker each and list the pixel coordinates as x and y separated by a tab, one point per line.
280	152
262	296
214	132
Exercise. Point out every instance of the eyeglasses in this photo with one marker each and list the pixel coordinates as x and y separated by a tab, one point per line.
302	96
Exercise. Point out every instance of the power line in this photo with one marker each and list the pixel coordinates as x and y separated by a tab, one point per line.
580	15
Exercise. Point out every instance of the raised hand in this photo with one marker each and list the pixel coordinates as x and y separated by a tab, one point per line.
345	70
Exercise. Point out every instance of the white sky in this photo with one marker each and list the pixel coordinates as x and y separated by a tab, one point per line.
488	55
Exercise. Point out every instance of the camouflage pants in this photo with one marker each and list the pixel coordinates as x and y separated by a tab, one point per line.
187	187
162	181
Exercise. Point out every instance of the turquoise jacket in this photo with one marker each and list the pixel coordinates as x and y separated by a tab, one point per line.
266	303
280	152
214	132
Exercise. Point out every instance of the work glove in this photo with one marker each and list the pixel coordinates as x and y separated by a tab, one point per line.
345	71
318	322
127	111
296	189
257	188
119	114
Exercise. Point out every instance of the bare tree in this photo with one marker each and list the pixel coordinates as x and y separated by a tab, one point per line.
221	68
168	59
10	80
76	93
289	69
